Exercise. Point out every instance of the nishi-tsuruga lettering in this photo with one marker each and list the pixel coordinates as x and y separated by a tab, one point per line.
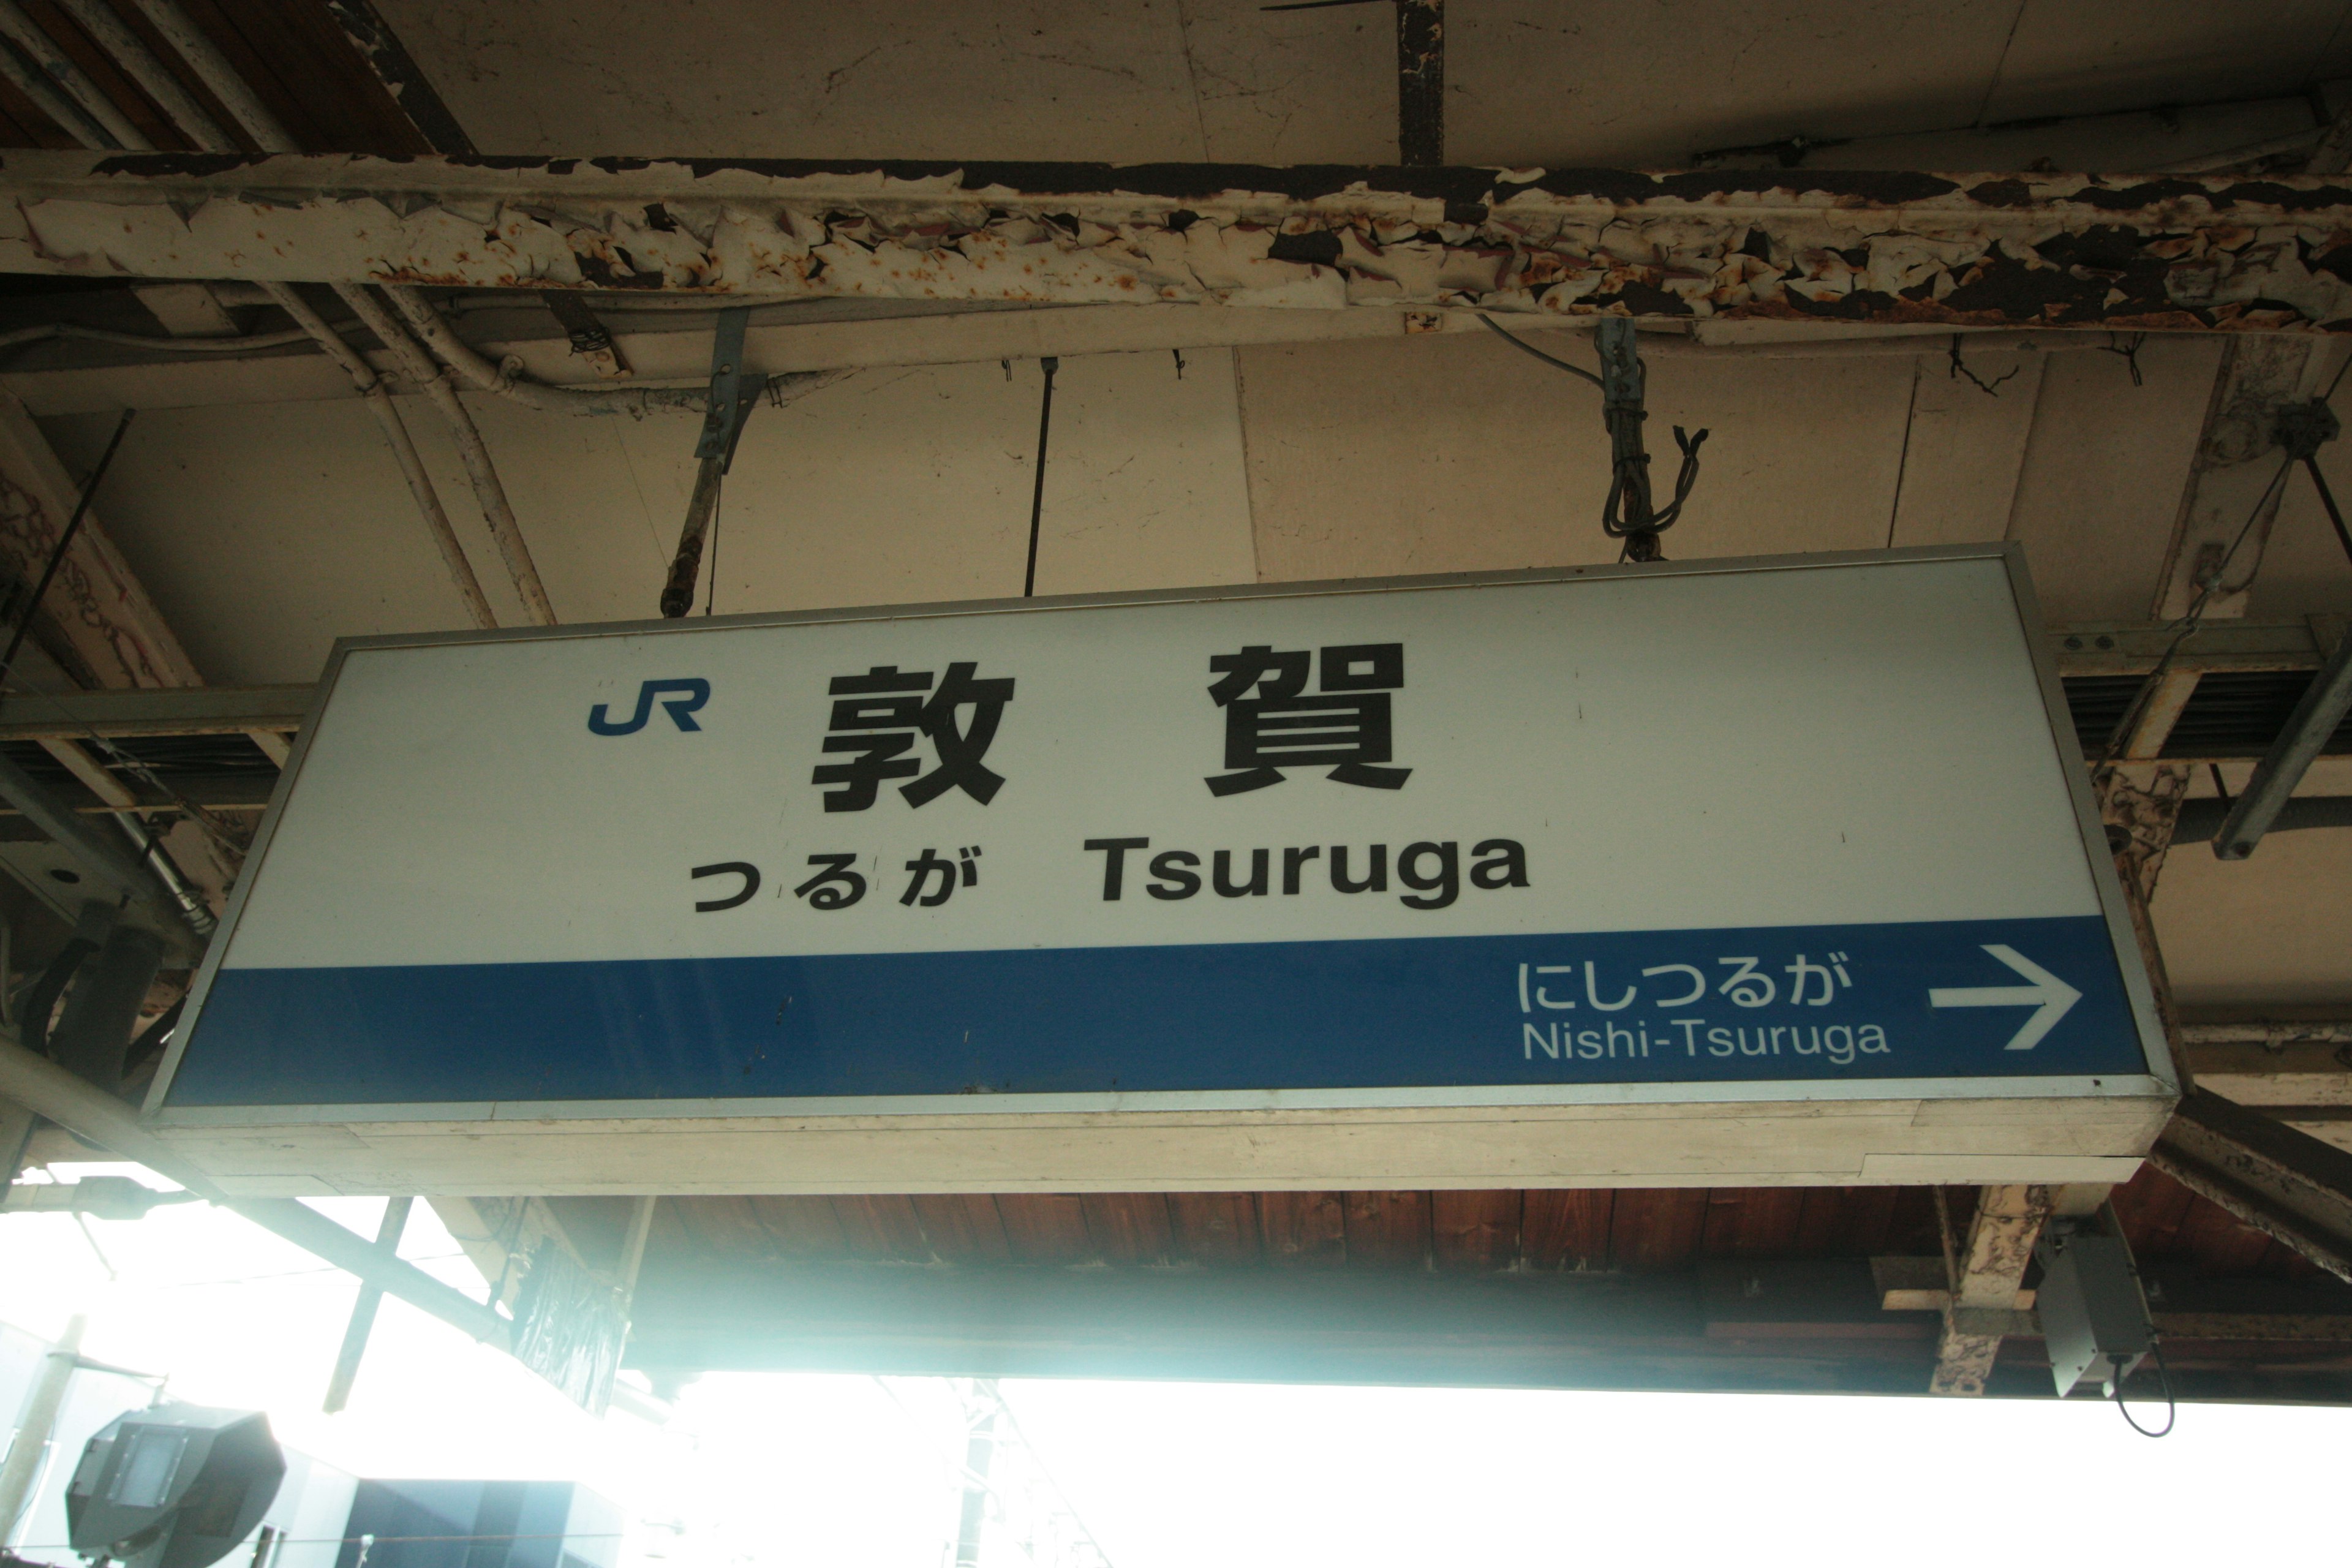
1748	980
1841	1044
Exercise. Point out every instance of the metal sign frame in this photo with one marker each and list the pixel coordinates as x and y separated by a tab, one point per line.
1805	1131
2160	1081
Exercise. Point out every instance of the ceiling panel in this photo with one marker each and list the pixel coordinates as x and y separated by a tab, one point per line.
1528	83
2073	58
890	79
1649	84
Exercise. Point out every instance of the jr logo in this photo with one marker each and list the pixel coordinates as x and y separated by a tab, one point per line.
691	695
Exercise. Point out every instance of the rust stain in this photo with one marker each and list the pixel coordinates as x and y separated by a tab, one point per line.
2169	253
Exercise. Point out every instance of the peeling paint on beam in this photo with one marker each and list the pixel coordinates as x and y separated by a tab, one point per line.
2165	253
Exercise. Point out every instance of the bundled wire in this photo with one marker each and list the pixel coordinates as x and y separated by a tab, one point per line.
1630	512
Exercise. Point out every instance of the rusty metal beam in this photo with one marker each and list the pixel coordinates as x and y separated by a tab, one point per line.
2009	1221
1421	82
2276	1178
2136	648
2102	647
167	710
2162	252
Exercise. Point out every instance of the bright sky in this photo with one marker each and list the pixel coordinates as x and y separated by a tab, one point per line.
850	1472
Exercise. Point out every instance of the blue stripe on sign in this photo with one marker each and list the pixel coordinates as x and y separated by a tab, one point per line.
1845	1002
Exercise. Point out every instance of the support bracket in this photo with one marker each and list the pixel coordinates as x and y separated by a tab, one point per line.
2276	1178
733	391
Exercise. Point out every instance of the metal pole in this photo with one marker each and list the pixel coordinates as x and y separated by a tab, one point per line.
362	1323
15	1137
40	1085
34	1426
1037	496
403	447
2307	732
98	856
632	1245
434	381
195	46
979	1448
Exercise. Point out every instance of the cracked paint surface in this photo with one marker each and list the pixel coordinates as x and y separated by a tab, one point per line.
2154	253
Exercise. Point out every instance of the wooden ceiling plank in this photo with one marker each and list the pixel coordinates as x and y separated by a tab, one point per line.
1476	1229
1046	1227
2218	1241
2280	1261
1654	1228
341	96
135	19
1869	1214
882	1225
1388	1229
1823	1219
2152	1206
1752	1222
673	1237
1911	1226
1566	1228
963	1228
1220	1229
107	77
19	120
1304	1230
1131	1229
716	1224
801	1226
259	71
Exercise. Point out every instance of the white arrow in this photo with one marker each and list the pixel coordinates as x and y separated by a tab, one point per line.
2049	995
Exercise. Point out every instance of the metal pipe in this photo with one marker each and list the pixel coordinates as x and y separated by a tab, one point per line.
2275	1036
2201	820
2307	732
978	1450
139	62
46	331
309	328
199	915
434	381
69	76
98	856
435	334
192	44
34	1424
686	565
403	447
40	1085
632	1245
63	112
362	1323
506	379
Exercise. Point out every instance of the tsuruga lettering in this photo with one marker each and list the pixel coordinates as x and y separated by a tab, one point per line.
1429	874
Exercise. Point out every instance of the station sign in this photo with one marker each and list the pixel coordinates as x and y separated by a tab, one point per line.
1197	883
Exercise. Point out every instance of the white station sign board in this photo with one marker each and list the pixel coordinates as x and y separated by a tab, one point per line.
1751	870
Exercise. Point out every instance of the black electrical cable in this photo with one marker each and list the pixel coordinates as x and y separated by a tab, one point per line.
2185	627
1528	348
2327	499
65	542
1037	497
2171	1406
